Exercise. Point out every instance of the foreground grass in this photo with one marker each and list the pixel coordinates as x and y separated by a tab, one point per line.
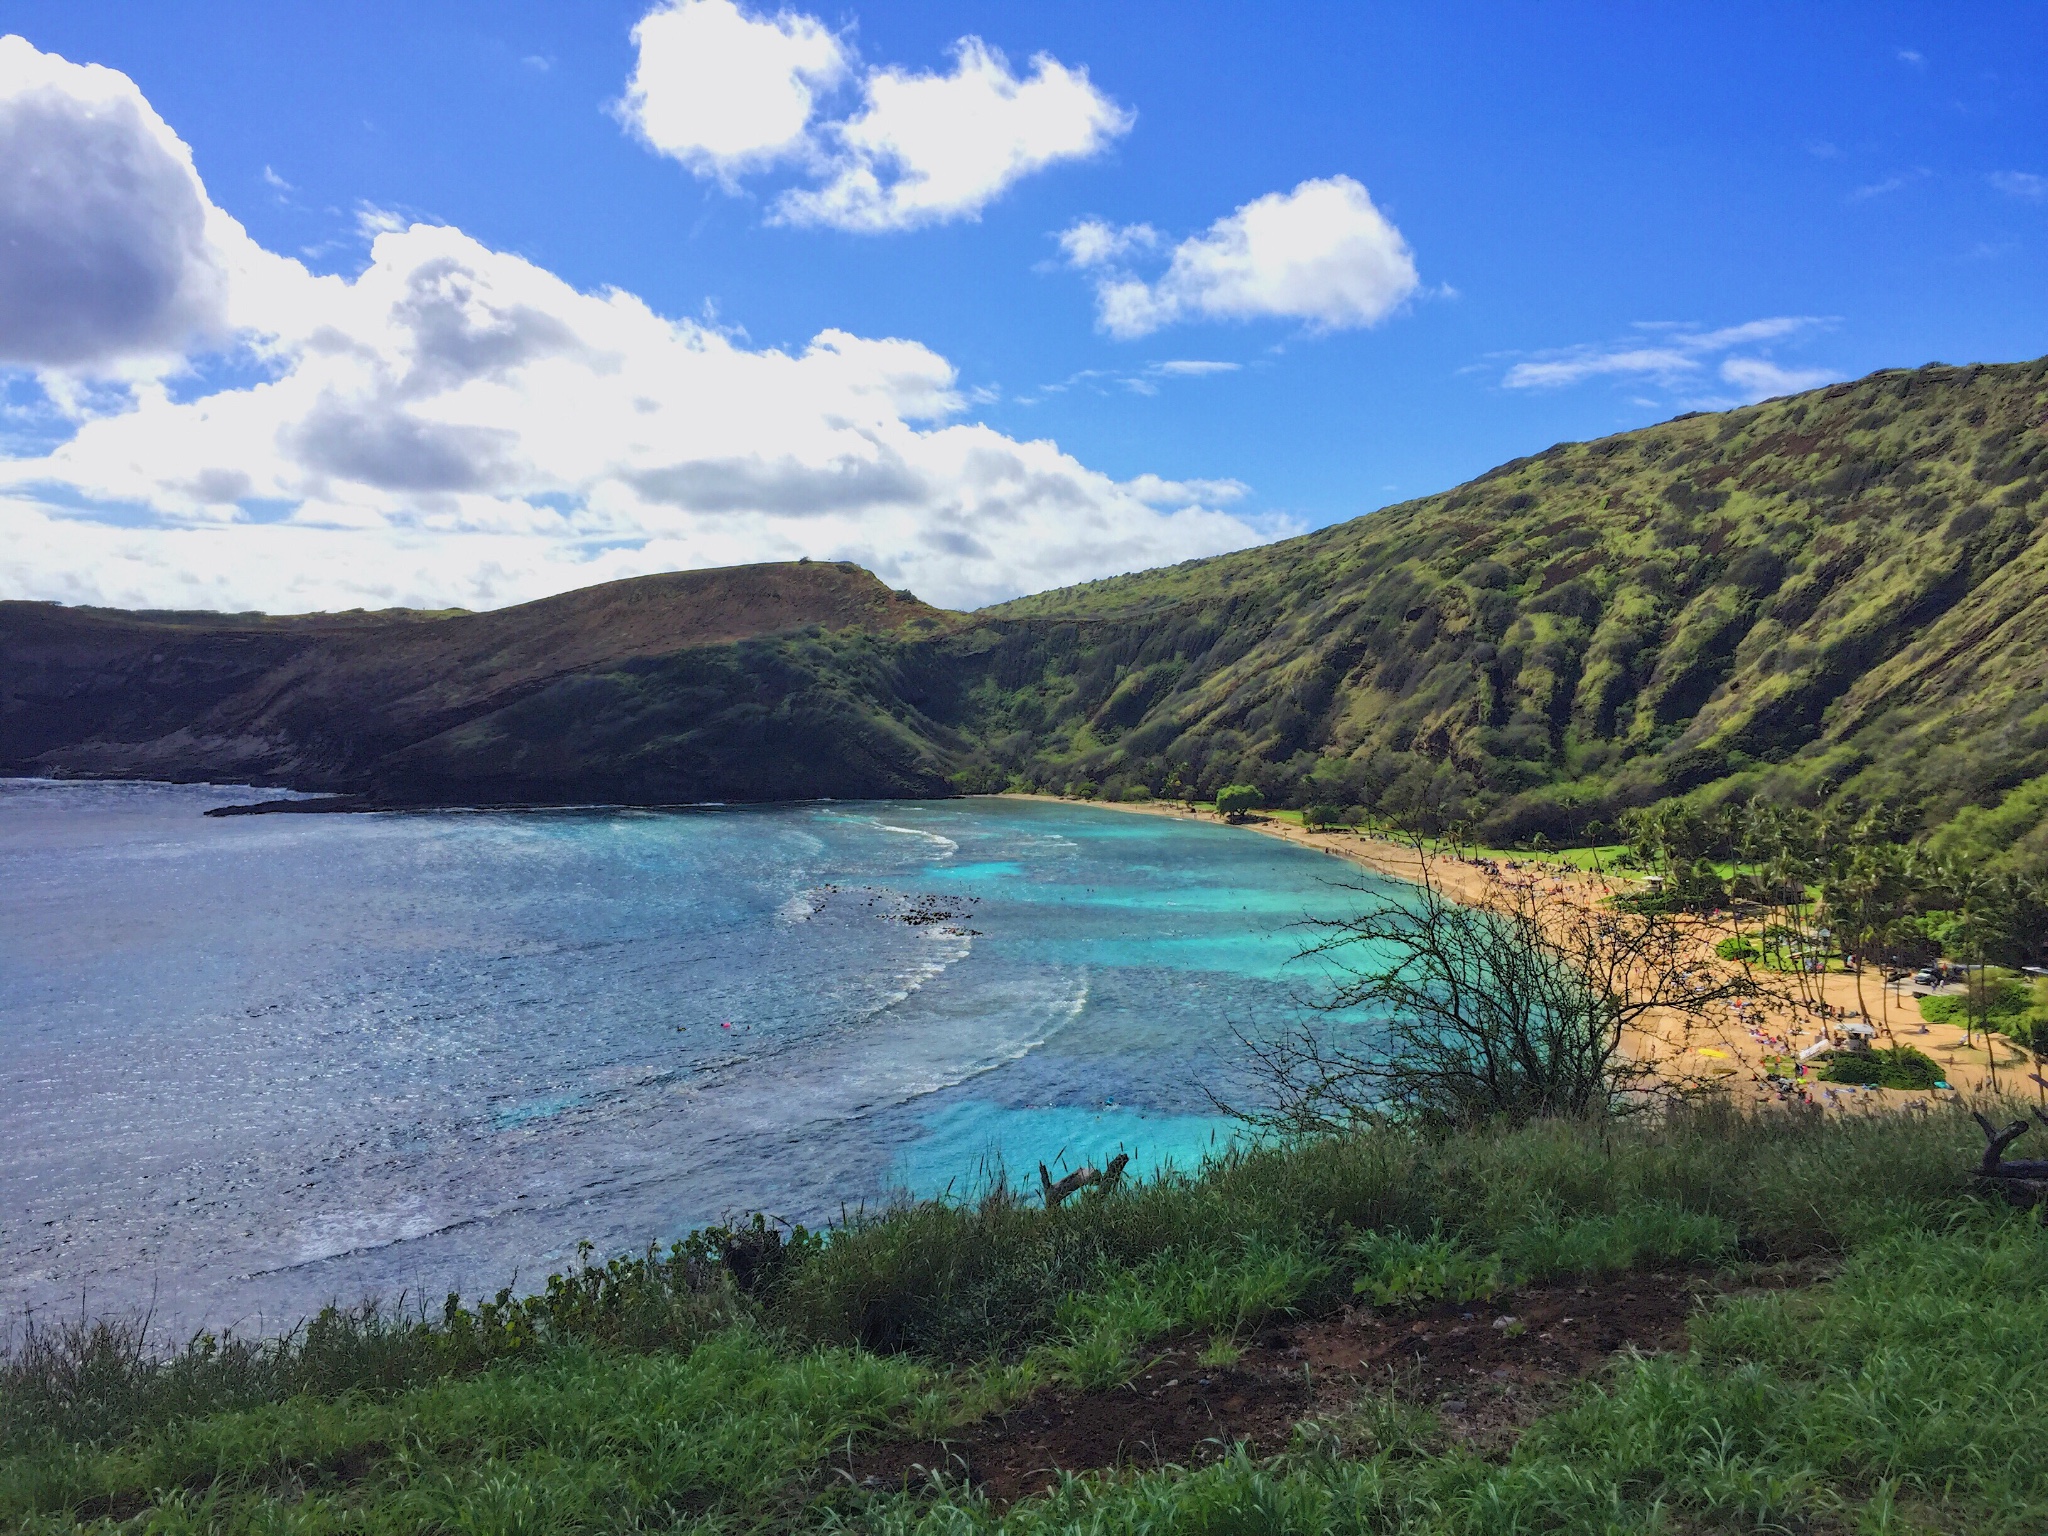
1904	1394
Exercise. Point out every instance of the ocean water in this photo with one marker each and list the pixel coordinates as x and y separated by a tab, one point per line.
250	1065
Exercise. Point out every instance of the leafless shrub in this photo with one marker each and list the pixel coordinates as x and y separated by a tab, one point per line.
1443	1014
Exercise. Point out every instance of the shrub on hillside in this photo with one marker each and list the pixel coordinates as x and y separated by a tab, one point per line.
1942	1010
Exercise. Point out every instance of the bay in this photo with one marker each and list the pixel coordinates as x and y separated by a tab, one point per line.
250	1065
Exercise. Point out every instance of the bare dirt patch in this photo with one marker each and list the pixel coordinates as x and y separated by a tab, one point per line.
1487	1368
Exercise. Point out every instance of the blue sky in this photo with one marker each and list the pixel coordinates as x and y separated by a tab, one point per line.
1609	214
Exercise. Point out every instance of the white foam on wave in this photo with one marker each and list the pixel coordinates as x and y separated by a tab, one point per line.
947	847
336	1234
952	945
886	1059
943	947
801	907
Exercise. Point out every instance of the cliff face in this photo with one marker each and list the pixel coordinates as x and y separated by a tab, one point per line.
1847	587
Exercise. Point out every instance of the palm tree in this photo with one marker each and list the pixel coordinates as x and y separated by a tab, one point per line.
1864	895
1970	895
1794	861
2014	914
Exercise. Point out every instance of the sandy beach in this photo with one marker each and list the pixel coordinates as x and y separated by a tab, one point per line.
1726	1048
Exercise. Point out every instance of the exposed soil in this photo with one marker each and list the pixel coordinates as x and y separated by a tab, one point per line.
1487	1368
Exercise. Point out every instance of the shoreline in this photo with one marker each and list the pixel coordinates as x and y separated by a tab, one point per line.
1687	1052
1723	1051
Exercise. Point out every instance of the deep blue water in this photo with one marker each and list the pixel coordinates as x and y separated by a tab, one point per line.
252	1064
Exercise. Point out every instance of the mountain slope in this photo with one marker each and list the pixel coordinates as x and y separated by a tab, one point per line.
1843	588
1849	585
756	682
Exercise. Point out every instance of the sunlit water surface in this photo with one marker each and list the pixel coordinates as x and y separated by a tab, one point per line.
249	1065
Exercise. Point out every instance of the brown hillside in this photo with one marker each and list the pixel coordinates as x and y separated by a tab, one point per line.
308	699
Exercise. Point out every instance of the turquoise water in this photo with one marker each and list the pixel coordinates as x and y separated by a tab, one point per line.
254	1064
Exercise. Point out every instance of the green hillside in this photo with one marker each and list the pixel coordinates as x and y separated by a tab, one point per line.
1846	587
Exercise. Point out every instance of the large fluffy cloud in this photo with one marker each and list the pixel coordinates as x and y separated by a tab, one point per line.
110	249
1321	253
723	91
457	425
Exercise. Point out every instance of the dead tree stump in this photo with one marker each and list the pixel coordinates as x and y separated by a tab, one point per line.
1103	1179
2020	1182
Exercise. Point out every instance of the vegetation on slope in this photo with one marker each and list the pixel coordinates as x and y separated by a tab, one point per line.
1845	588
1901	1394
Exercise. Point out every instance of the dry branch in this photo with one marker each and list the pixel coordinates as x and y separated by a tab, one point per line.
1104	1179
1514	1007
1995	1164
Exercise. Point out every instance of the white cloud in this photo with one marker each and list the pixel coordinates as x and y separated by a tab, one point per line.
458	425
1680	358
1746	334
1155	492
1759	379
2023	184
372	221
726	91
1094	243
1321	253
1100	380
1889	185
925	148
723	91
1554	372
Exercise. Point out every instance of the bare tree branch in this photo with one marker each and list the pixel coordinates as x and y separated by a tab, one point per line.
1104	1179
1512	1007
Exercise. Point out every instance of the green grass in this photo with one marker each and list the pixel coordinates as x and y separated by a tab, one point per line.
654	1394
2007	1000
1903	1396
575	1439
